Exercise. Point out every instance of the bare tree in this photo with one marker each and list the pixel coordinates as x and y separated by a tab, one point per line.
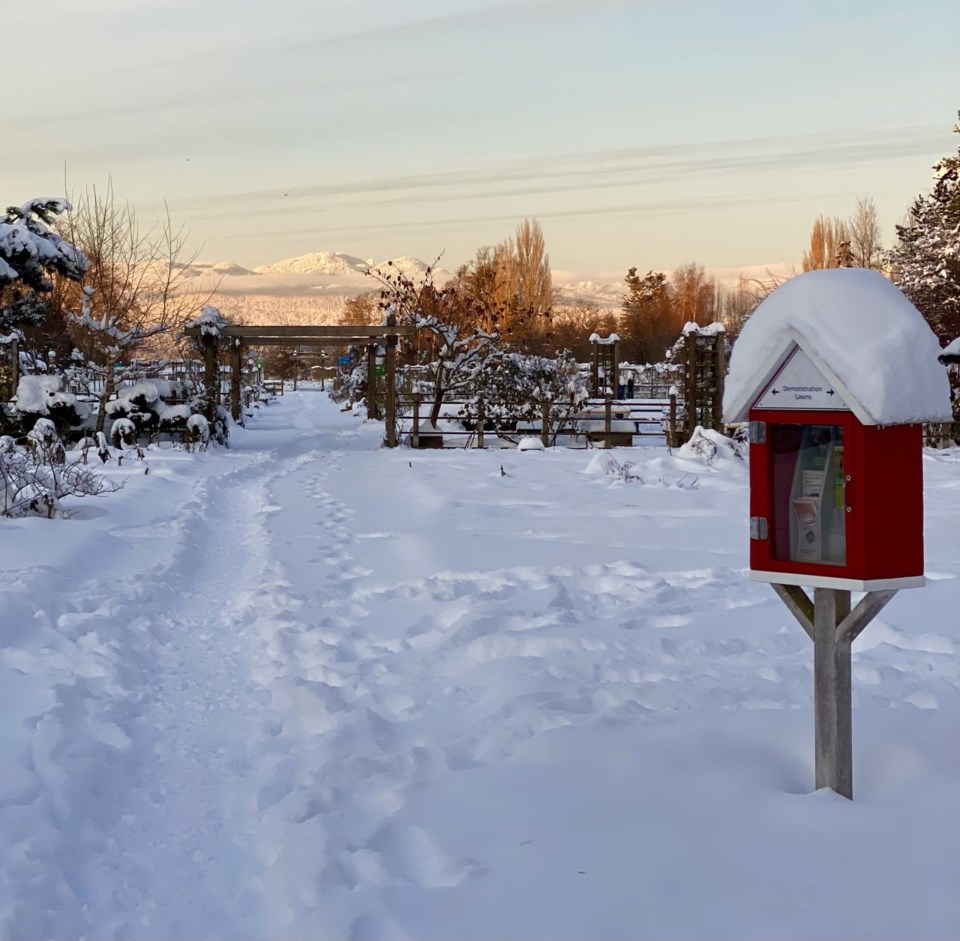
458	352
510	286
692	293
137	279
866	235
360	311
826	240
135	287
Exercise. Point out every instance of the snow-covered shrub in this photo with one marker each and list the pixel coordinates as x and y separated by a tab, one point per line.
43	397
530	444
33	482
515	387
173	417
152	406
44	441
198	429
604	464
708	445
123	431
103	448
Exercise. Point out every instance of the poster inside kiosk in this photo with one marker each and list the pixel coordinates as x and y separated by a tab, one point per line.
809	482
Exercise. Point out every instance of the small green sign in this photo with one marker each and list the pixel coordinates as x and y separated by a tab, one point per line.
259	363
380	371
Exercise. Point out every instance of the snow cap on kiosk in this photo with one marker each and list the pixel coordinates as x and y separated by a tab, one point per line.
862	334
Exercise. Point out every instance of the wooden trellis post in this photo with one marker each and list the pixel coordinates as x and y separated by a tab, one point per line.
390	398
14	365
211	376
236	369
373	410
415	431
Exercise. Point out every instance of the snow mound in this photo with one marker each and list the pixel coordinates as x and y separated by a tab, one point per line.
710	446
862	328
530	444
36	394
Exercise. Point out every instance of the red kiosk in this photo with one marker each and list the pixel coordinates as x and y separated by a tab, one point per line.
835	372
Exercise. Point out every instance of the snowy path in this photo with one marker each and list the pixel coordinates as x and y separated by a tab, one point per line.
320	690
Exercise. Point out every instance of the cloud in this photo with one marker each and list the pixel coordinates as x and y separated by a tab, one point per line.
592	171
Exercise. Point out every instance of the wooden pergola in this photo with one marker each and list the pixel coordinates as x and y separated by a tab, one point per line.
239	337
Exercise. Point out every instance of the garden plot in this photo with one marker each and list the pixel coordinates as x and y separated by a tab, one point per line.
307	687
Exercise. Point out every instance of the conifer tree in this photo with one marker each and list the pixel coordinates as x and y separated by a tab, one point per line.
925	264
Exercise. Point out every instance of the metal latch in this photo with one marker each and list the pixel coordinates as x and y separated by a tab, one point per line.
758	432
758	525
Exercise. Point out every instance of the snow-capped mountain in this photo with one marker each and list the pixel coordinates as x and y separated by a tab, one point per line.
317	263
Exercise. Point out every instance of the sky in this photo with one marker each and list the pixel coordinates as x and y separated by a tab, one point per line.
647	134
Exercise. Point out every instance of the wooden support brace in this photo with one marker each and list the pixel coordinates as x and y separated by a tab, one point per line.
869	606
798	604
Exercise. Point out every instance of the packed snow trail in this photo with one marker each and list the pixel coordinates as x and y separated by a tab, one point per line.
342	692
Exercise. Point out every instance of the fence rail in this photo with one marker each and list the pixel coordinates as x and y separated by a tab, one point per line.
600	421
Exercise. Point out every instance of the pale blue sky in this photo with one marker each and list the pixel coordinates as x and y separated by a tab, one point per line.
638	133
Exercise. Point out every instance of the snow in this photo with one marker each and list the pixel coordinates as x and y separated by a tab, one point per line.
861	328
307	687
35	394
199	425
710	330
951	352
209	320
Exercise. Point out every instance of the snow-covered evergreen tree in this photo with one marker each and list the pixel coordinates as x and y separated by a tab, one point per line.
30	250
926	262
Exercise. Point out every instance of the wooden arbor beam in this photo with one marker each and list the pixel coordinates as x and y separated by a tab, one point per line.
310	335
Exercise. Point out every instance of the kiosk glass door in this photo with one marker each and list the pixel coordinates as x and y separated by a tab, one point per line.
809	494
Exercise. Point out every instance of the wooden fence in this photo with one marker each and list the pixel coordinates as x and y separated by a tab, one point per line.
601	421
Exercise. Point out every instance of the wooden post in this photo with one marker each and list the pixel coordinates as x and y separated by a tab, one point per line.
690	385
672	429
211	377
720	366
390	398
236	368
832	693
14	365
607	420
415	431
545	423
595	372
615	370
833	627
372	411
480	423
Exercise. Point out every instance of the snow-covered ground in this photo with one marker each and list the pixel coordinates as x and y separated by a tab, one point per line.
310	688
